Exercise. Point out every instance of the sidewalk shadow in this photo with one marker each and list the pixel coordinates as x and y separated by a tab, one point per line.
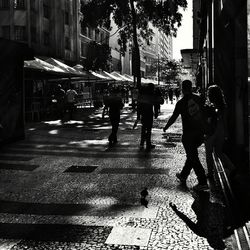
212	222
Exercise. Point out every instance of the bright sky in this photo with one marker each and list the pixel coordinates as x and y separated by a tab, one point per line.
184	39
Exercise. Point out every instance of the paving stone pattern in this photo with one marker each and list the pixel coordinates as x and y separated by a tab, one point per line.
78	210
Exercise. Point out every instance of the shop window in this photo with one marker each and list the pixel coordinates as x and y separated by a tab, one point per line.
66	18
19	4
4	4
46	12
19	33
6	32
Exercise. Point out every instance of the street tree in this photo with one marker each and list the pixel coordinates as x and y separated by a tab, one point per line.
132	18
168	69
98	57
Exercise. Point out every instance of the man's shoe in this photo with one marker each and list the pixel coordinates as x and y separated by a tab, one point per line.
201	187
181	179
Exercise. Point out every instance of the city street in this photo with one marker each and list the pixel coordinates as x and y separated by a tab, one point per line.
64	188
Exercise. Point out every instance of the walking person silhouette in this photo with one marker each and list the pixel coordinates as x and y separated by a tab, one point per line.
145	112
114	104
190	109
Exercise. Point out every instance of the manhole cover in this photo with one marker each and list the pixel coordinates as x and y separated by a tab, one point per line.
81	169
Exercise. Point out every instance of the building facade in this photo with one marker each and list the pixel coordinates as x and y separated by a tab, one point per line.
222	45
160	47
49	27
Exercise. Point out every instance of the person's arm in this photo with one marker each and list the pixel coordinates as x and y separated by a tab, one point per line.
172	119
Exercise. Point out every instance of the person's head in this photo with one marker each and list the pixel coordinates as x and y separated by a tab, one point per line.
216	96
59	86
150	89
186	87
115	90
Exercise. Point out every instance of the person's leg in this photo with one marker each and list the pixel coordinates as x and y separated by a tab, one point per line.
149	126
115	129
209	142
191	144
143	134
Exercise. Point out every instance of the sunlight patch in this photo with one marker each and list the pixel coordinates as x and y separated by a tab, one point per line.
87	143
32	129
56	122
129	236
54	132
73	122
102	201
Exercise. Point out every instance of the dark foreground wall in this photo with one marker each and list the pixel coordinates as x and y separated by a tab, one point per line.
12	55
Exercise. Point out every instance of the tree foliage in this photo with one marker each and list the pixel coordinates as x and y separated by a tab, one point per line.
169	69
133	17
98	56
164	15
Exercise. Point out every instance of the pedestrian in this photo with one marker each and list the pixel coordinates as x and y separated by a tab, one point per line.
71	96
158	102
177	94
59	96
145	112
216	118
190	108
114	104
170	95
105	98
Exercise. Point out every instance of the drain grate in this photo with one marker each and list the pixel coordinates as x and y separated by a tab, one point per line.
81	169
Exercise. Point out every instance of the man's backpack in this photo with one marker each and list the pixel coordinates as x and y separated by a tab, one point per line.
198	115
194	110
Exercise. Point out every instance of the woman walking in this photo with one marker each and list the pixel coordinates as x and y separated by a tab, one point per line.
216	111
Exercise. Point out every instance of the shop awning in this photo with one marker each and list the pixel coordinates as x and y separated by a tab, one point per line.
41	65
100	76
116	78
123	77
63	66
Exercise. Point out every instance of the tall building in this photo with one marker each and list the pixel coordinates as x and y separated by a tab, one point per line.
120	63
160	47
50	27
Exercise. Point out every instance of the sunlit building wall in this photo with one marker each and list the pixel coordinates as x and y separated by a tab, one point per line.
50	27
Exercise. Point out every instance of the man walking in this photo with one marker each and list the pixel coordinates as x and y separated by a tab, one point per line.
145	112
190	108
71	95
115	104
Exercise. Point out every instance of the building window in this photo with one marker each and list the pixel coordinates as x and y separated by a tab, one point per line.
84	30
46	38
97	35
33	34
6	32
67	5
19	4
4	4
102	37
67	43
46	13
90	33
84	49
66	17
19	33
33	5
